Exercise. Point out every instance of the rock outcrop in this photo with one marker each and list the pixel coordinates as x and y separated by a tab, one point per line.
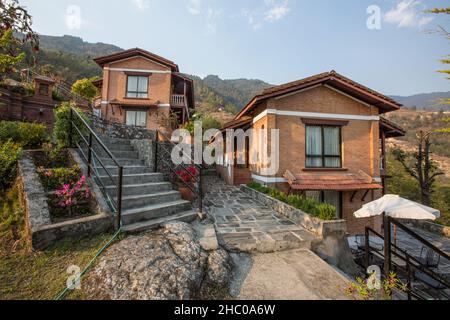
166	264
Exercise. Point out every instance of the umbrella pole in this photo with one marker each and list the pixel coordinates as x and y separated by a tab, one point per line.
387	244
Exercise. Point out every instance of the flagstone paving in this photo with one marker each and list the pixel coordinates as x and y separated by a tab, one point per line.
243	224
413	247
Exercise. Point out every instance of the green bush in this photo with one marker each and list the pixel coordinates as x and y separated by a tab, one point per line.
61	129
9	155
309	205
53	179
26	134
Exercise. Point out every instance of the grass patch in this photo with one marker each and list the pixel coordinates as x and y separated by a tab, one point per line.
25	274
309	205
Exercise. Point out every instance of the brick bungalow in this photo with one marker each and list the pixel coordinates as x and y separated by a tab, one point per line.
331	142
142	89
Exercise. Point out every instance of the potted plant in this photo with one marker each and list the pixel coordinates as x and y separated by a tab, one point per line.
185	178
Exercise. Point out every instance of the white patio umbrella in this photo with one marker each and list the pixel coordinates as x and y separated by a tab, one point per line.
397	207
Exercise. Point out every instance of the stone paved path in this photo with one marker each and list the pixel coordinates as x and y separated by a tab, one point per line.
244	224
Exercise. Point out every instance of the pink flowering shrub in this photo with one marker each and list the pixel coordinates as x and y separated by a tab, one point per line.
71	195
53	178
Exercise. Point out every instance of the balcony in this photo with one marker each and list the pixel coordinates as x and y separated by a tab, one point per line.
178	100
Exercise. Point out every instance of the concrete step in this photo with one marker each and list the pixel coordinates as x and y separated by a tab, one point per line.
133	178
111	141
141	188
185	216
272	241
142	200
122	154
122	161
154	211
113	170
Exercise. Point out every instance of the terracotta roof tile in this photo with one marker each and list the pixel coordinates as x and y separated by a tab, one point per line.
326	181
332	78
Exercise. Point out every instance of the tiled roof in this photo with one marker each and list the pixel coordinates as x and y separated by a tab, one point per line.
101	61
327	181
237	123
44	79
319	76
332	78
144	104
391	129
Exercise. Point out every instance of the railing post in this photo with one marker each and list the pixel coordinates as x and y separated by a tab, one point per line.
156	151
408	277
70	128
200	190
387	244
119	198
89	154
366	248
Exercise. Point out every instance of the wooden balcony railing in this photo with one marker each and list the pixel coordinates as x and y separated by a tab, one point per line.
178	100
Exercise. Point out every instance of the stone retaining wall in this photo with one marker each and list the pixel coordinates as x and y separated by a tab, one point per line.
120	130
41	232
333	245
146	151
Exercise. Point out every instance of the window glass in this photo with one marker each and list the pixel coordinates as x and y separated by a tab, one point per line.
136	118
137	87
323	147
314	146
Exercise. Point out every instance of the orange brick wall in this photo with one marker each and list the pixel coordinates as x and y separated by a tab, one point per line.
114	88
360	142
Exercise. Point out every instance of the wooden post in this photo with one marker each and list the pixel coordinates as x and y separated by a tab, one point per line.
387	244
383	161
366	248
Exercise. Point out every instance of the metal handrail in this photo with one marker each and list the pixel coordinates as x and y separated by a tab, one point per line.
198	194
411	262
92	157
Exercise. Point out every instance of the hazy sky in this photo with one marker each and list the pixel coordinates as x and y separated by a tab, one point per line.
273	40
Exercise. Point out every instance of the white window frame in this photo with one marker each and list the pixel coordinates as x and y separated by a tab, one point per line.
133	122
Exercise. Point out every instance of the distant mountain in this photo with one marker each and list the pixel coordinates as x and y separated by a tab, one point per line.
237	92
76	45
424	101
71	58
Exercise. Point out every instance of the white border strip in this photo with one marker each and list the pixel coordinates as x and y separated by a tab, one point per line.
268	179
316	115
138	70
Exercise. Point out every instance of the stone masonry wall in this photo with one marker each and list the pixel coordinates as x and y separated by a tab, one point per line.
121	131
41	232
146	151
333	246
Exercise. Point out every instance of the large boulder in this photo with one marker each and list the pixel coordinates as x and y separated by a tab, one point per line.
165	264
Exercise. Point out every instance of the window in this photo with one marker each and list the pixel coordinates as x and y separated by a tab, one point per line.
43	89
328	196
136	118
137	87
323	146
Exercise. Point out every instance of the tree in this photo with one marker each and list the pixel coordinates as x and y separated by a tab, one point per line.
446	60
420	166
15	31
85	88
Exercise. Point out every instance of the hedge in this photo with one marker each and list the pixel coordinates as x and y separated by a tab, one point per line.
25	134
309	205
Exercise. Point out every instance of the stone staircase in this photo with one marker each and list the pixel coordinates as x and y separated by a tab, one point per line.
148	200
